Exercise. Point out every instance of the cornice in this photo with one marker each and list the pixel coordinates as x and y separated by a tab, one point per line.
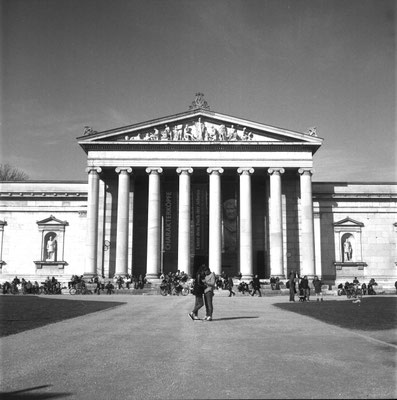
355	196
41	194
200	146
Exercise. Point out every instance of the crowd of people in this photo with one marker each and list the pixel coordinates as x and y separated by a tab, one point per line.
301	286
366	289
49	286
173	281
296	284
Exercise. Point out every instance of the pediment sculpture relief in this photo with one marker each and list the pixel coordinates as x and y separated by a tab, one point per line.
195	131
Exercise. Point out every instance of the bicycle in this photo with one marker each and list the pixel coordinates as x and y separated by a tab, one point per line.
79	289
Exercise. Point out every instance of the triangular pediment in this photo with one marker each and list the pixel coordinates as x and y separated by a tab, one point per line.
348	222
200	125
51	221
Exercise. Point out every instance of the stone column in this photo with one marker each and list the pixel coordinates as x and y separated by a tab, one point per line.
184	220
92	221
154	224
122	220
246	266
317	243
275	223
215	223
307	235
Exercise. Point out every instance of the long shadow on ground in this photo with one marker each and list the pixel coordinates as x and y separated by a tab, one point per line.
33	393
371	314
21	313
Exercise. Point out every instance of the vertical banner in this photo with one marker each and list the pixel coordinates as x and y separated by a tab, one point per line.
200	218
170	226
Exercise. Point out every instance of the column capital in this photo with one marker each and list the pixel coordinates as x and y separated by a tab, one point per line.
154	170
98	170
126	169
184	171
215	170
306	171
245	171
275	171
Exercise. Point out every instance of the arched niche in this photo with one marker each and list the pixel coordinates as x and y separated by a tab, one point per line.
52	243
348	248
50	248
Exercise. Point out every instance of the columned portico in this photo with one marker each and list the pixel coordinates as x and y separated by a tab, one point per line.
275	223
215	221
122	220
307	243
184	220
92	220
154	224
175	218
246	266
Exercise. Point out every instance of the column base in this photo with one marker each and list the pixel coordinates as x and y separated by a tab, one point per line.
88	275
152	276
247	277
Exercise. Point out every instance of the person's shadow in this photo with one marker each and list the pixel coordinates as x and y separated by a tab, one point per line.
231	318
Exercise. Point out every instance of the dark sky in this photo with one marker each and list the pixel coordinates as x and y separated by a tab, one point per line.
293	64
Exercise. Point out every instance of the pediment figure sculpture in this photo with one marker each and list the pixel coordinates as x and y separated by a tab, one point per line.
199	124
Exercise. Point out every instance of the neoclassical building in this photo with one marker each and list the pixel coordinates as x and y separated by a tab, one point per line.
199	187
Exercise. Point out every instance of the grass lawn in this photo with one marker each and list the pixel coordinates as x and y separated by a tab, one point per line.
21	313
374	313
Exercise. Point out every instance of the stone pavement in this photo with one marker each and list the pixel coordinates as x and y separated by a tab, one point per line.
148	348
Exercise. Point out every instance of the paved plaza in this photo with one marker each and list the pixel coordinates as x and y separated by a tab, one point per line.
148	348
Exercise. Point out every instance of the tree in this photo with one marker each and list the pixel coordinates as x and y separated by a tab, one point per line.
9	173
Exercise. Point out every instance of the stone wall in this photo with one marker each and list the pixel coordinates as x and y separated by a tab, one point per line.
22	206
369	213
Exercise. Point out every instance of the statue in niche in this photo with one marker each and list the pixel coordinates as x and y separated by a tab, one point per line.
51	249
347	250
230	226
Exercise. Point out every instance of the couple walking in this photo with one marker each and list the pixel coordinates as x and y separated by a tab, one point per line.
203	286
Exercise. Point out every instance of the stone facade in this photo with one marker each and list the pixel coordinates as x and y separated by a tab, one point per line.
30	212
367	211
199	187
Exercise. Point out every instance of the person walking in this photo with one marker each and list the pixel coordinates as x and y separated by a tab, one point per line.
198	291
229	286
209	293
256	285
291	283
